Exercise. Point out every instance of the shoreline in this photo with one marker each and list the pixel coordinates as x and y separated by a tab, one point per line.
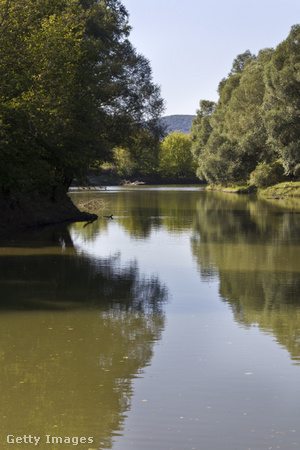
31	211
278	191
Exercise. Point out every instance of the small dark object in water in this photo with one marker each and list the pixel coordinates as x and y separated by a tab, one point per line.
90	221
108	217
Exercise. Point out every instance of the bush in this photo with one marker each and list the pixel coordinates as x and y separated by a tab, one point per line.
267	174
123	161
176	159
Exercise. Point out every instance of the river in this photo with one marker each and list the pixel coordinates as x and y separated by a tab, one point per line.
175	325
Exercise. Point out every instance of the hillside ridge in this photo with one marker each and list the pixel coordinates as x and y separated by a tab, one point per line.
178	122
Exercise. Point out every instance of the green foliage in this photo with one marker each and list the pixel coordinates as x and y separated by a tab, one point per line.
123	161
37	91
284	190
176	159
267	174
282	102
72	88
201	127
256	119
240	62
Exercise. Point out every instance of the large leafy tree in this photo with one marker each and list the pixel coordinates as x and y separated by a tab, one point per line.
230	140
72	87
253	131
244	119
201	126
40	51
282	102
176	159
211	143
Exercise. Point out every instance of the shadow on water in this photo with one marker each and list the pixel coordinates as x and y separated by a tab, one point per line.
74	333
42	269
254	249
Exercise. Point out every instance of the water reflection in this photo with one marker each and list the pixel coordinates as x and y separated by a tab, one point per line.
44	270
254	247
78	324
251	245
74	332
142	211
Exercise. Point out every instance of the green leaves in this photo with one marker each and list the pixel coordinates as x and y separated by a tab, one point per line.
282	102
256	120
37	109
72	87
176	159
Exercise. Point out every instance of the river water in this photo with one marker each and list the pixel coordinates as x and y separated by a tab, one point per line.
173	326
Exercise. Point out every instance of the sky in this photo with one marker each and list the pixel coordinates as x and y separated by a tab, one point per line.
191	44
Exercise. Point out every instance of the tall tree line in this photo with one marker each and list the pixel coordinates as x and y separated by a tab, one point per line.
253	132
72	87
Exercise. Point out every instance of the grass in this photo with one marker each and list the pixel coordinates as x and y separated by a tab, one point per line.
281	190
233	189
94	205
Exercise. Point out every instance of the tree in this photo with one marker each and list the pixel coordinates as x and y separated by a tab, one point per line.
40	49
72	88
201	126
253	131
243	116
230	139
176	159
124	164
240	62
281	109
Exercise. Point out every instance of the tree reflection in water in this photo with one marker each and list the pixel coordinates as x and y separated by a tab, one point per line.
253	247
74	333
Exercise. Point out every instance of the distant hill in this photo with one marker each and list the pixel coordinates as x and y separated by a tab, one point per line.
178	122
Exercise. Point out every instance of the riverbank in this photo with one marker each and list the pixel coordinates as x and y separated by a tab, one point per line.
110	177
21	212
233	189
280	190
32	211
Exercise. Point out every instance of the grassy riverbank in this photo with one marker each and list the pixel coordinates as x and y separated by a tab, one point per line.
281	190
232	189
286	189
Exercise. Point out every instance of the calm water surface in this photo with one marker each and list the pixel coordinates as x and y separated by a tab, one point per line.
173	326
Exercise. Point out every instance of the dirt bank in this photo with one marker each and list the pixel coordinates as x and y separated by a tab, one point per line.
31	211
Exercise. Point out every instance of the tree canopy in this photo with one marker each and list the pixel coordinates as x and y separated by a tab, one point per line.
72	87
175	159
254	126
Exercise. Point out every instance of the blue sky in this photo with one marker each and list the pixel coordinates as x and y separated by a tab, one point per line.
191	44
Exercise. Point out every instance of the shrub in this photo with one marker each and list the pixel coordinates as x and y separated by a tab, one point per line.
176	159
123	161
267	174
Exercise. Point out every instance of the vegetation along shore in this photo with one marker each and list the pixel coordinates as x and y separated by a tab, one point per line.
76	98
280	190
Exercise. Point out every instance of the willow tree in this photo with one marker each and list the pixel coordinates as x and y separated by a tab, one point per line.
71	88
282	102
229	138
